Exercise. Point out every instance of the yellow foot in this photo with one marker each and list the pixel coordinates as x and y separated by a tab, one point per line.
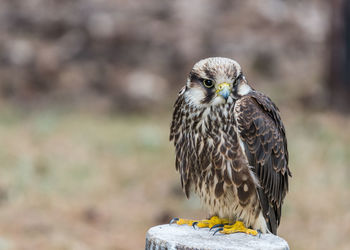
201	223
238	227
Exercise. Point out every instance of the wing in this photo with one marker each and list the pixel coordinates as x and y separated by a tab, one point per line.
184	156
263	135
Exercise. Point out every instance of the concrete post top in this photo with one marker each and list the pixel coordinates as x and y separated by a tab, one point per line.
169	237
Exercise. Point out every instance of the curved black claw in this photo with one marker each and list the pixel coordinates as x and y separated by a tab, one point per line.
259	233
218	230
174	220
216	226
194	225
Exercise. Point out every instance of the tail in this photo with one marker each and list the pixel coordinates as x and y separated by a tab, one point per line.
271	212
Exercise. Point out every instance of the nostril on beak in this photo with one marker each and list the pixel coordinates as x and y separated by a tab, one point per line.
224	90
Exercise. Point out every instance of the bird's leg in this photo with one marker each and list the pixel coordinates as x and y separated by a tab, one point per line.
201	223
238	227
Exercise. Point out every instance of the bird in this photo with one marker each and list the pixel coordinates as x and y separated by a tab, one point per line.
230	149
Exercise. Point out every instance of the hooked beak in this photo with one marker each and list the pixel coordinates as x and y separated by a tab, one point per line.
224	90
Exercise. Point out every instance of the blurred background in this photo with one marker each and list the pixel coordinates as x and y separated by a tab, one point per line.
86	95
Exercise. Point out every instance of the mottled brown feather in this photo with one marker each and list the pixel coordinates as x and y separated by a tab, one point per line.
232	154
263	135
195	156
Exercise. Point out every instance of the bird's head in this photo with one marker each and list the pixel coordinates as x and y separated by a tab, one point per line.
215	81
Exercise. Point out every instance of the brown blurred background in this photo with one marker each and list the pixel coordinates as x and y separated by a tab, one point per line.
86	94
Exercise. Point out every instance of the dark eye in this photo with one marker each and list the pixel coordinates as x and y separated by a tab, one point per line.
208	83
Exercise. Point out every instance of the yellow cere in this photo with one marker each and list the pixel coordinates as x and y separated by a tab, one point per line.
222	86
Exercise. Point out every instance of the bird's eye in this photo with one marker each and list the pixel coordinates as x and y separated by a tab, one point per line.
208	83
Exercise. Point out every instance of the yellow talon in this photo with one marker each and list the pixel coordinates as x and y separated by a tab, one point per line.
185	221
238	227
203	223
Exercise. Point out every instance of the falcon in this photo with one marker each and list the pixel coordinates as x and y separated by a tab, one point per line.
231	149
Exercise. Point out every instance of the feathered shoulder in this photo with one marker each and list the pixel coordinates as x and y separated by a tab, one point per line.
263	134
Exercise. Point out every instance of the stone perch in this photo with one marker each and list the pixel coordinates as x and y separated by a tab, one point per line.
175	237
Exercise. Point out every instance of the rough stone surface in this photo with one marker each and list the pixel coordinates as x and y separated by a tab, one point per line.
171	237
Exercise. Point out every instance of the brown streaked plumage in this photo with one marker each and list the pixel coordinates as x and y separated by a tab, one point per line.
230	144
